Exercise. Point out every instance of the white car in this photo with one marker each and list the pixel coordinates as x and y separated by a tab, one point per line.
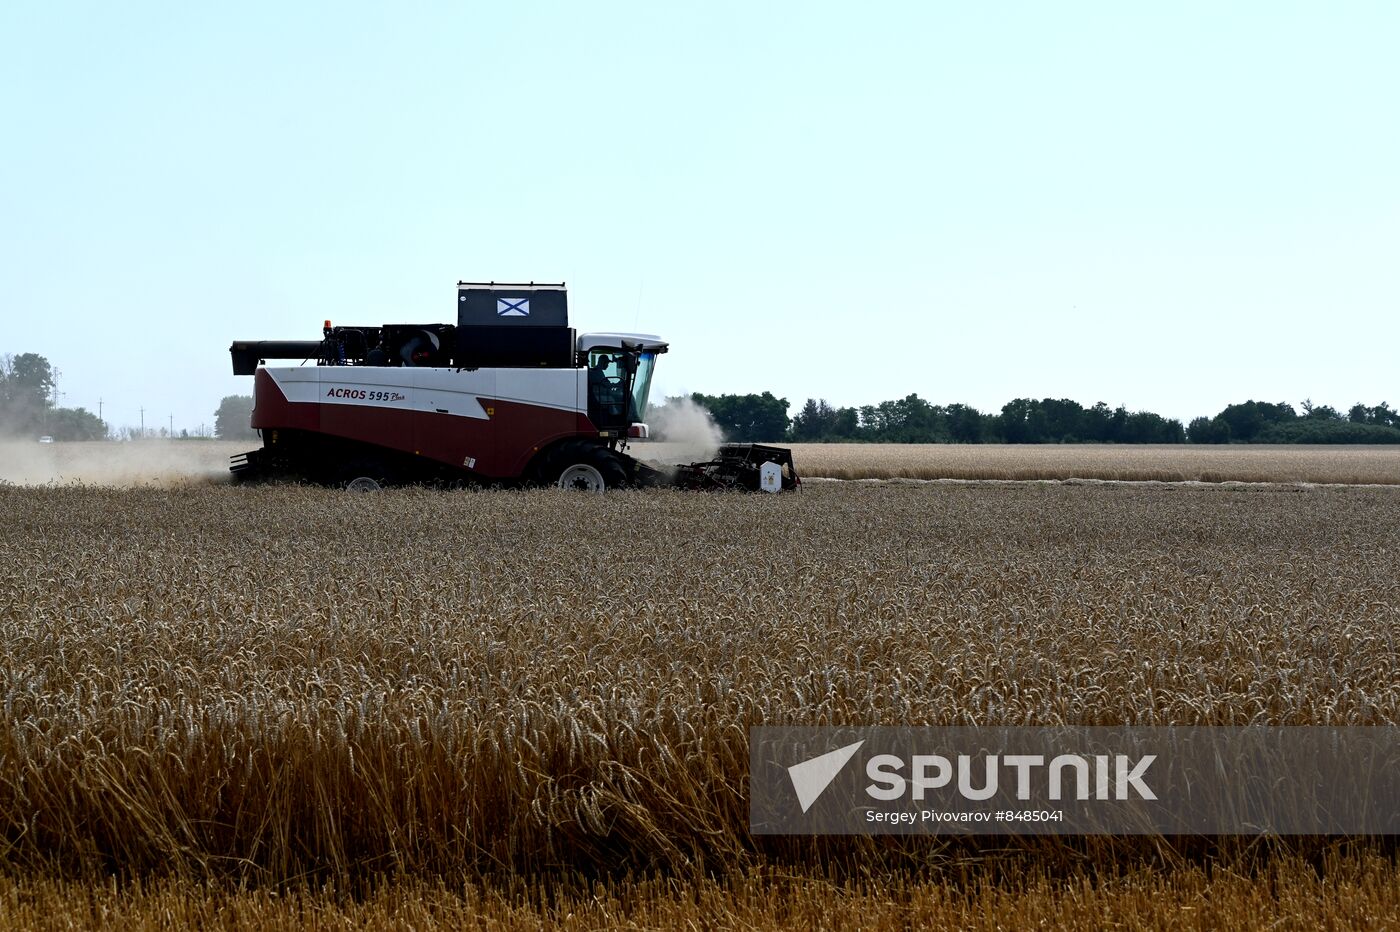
46	439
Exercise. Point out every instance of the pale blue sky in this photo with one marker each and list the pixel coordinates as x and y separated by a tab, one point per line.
1170	206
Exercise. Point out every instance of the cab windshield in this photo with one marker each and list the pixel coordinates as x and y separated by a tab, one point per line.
642	386
610	403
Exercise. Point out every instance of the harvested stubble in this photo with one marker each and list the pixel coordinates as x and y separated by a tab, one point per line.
1366	465
283	683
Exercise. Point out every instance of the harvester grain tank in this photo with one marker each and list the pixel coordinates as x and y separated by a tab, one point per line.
509	393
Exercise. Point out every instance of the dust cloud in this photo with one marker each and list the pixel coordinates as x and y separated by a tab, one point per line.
682	432
158	463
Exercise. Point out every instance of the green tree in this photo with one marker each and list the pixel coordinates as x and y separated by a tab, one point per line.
1097	421
26	393
1381	415
846	424
1248	419
1323	430
815	422
28	376
1063	420
75	424
1015	421
1324	413
965	423
748	418
918	421
910	419
232	420
1208	430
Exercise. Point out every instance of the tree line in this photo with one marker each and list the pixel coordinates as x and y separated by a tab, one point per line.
28	403
29	408
764	417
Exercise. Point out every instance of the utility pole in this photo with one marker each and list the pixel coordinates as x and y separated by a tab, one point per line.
143	423
56	395
53	404
172	425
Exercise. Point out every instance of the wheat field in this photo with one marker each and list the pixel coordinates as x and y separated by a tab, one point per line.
1342	891
1377	465
157	463
532	707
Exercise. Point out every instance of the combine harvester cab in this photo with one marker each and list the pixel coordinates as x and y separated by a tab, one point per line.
509	394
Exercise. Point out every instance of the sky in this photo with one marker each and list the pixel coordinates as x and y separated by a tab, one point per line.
1167	206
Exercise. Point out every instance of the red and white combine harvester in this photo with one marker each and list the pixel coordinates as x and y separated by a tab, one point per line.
510	393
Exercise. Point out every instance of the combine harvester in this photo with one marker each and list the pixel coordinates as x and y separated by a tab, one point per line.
510	394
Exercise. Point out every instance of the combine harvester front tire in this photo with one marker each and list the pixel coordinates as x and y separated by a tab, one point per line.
584	467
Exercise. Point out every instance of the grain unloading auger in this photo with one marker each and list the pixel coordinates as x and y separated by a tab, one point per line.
509	394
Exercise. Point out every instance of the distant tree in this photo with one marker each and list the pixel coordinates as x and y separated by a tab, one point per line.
233	419
818	421
965	424
815	422
26	393
1014	423
805	424
749	418
1146	427
1208	430
74	424
27	376
1117	426
866	415
1248	419
1324	413
28	385
1051	420
1323	430
845	425
910	419
923	422
1063	419
1381	415
1096	422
